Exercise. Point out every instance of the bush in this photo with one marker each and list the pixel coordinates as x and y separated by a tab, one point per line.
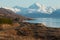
5	21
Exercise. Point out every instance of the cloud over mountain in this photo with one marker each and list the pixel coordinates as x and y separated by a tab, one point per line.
13	9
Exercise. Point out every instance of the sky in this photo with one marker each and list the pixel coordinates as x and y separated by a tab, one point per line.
27	3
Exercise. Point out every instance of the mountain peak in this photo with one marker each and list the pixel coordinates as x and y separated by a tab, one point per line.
42	8
35	6
38	4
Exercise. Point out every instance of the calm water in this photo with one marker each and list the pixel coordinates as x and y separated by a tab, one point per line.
49	22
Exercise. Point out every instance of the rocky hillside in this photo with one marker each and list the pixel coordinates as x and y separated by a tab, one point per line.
10	14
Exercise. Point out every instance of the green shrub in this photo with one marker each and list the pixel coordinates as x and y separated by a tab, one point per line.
5	21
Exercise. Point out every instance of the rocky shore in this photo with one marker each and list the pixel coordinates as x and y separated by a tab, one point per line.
30	31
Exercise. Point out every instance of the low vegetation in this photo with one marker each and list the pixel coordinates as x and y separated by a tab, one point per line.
5	21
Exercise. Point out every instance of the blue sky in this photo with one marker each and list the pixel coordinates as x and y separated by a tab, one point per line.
27	3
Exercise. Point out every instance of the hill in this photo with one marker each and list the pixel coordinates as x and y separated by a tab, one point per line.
12	15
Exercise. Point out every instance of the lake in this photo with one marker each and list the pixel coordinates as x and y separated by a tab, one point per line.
49	22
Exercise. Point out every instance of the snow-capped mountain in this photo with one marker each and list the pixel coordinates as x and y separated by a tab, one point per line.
35	6
42	8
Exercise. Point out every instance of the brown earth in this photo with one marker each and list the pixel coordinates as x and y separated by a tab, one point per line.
29	31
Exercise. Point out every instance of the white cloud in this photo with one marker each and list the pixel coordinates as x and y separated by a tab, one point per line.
17	10
13	9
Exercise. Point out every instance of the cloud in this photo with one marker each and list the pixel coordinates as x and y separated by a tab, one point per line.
17	10
13	9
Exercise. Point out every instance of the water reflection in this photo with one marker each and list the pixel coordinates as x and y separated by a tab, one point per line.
49	22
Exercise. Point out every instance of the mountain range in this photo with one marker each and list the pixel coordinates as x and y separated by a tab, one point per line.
37	10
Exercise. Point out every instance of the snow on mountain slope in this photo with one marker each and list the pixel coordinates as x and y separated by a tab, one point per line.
42	8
